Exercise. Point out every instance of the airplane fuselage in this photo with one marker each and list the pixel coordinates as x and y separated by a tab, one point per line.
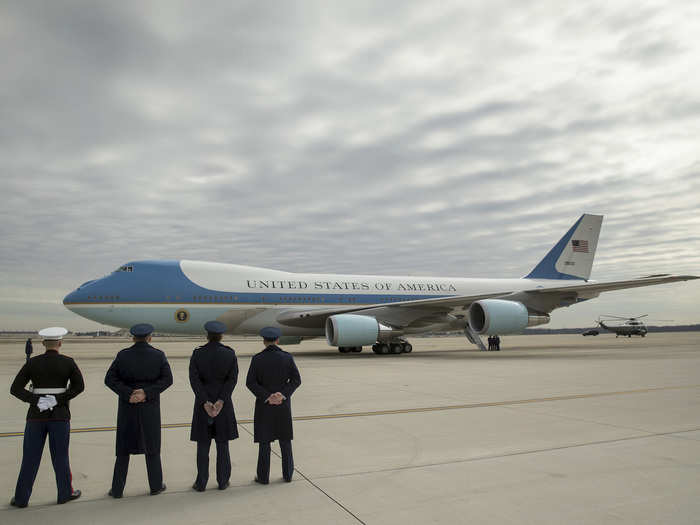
180	296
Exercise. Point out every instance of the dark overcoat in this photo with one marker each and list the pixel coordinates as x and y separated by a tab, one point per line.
138	424
213	376
272	370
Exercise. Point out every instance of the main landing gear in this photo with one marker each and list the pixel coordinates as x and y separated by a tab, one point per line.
393	347
349	349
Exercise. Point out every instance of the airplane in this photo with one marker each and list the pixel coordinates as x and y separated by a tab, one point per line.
351	311
629	326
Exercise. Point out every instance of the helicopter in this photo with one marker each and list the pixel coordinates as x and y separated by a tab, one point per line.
628	326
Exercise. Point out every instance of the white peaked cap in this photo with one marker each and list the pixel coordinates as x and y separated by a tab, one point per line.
53	333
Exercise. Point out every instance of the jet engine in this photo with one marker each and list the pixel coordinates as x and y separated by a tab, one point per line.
355	330
498	316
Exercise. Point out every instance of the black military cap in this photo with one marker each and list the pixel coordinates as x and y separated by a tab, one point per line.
215	327
270	333
141	330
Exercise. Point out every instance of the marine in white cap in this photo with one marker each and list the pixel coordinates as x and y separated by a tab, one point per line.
55	379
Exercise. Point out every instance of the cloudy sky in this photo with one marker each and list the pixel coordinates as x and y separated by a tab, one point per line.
420	138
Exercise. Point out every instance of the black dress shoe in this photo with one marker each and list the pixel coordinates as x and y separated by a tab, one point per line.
74	495
224	486
158	491
12	502
115	496
198	487
287	480
261	482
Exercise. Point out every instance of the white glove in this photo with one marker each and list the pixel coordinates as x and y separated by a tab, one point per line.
46	402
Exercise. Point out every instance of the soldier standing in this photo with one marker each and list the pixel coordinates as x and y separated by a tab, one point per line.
213	376
138	375
50	374
272	378
28	349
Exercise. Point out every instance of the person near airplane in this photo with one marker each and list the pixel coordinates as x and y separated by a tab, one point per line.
213	376
139	375
272	378
28	349
56	379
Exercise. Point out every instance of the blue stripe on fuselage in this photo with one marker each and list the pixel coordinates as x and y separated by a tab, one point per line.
164	282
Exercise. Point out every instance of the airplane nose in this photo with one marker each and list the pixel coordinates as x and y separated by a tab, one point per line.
79	294
69	299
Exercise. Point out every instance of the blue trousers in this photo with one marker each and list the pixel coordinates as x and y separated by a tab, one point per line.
264	460
223	462
35	433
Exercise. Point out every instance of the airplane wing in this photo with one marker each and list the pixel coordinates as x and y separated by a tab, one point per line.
429	311
619	285
401	313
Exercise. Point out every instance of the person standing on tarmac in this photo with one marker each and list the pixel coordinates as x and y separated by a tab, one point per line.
49	414
213	376
138	375
272	378
28	349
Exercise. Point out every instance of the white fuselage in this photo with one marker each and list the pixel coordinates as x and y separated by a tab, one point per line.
180	296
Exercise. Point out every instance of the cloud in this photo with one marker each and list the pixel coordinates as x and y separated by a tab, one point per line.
395	138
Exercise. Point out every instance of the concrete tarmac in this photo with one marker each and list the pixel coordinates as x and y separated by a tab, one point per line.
552	429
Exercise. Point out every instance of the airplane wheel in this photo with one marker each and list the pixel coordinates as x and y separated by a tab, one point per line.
382	348
395	348
343	349
356	349
408	348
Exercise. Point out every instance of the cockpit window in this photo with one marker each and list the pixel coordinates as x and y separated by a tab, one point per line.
128	268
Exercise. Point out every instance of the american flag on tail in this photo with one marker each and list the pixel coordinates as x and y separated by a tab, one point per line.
580	246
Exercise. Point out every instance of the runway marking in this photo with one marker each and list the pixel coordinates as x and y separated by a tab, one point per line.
416	410
672	433
308	480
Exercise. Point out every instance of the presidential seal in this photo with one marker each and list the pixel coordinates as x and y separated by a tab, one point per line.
182	316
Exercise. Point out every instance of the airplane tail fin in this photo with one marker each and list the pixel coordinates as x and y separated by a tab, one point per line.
572	257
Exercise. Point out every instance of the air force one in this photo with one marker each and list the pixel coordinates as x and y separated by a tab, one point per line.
352	311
